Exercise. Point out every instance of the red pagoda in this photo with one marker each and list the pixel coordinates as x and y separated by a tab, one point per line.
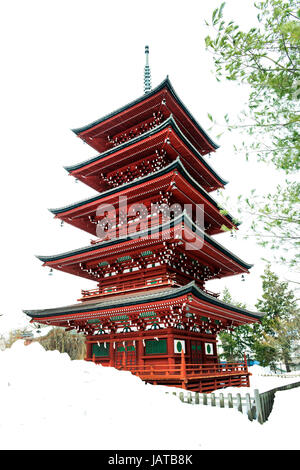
151	254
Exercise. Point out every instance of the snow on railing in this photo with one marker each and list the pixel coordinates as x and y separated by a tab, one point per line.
280	376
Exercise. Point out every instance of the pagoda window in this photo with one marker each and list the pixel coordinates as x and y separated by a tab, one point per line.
209	350
156	347
100	350
196	347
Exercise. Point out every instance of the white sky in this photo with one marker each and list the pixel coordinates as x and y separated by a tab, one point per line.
66	63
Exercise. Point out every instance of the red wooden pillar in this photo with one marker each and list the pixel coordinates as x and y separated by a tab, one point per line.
215	351
187	347
183	375
88	350
170	350
111	354
140	352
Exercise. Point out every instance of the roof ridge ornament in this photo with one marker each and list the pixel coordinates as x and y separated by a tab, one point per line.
147	72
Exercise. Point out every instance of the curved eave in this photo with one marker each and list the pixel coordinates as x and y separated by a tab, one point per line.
181	218
170	121
164	84
190	288
172	166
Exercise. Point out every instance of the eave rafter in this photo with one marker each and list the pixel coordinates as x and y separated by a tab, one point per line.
211	253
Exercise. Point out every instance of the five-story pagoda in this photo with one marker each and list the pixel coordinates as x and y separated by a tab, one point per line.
153	220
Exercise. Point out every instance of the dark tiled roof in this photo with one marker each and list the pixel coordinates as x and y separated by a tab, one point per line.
174	165
135	299
170	121
181	218
164	84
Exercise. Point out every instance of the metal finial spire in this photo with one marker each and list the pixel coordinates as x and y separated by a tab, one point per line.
147	73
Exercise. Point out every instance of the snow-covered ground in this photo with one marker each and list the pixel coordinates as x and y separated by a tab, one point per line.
51	402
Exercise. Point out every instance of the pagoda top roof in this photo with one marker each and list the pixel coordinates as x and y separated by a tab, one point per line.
136	299
172	166
169	122
165	84
182	218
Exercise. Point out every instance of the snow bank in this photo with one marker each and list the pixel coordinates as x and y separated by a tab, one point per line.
286	407
51	402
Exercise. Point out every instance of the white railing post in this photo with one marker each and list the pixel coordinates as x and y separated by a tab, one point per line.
213	399
239	402
259	415
248	404
222	404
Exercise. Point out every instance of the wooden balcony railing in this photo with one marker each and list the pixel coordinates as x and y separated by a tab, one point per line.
128	286
196	377
186	371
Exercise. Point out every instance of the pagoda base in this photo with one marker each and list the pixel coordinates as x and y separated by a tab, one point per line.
169	356
205	383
